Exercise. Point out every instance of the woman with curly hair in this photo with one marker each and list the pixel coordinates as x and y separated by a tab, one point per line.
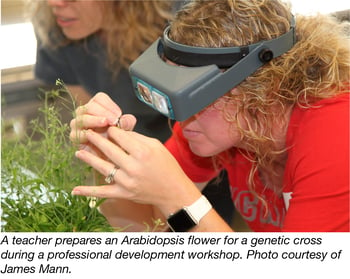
90	44
281	132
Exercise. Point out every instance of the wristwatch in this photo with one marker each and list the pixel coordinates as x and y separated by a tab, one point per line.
189	216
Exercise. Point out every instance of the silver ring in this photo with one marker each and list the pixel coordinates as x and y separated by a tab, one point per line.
110	177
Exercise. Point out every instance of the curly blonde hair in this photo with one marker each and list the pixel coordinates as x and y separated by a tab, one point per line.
317	67
129	27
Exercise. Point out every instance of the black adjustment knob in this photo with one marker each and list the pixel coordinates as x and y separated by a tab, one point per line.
265	55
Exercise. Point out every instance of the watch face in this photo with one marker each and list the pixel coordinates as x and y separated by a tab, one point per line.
181	221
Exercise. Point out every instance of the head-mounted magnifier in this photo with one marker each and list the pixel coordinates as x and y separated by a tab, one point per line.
182	91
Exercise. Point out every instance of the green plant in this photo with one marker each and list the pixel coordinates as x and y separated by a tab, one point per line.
38	173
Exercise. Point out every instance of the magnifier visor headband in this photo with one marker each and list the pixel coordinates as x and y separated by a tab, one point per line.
191	56
180	92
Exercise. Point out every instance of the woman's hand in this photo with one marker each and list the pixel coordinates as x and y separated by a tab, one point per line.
98	114
146	172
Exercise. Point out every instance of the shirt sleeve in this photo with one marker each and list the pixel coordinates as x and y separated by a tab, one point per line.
197	168
52	64
318	169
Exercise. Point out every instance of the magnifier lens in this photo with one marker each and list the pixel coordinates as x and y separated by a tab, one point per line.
144	93
154	98
160	103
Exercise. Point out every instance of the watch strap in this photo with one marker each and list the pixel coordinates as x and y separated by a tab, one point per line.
198	209
189	216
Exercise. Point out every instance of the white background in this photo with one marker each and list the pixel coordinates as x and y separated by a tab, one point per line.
187	269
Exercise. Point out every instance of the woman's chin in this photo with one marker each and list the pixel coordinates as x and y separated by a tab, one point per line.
202	151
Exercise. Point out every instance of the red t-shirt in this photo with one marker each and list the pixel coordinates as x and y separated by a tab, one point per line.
316	179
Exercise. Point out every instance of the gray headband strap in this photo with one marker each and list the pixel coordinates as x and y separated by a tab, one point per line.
224	57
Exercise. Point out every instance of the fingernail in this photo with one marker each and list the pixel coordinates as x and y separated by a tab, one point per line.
75	192
112	121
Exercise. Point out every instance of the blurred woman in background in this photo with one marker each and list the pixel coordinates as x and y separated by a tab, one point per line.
89	45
